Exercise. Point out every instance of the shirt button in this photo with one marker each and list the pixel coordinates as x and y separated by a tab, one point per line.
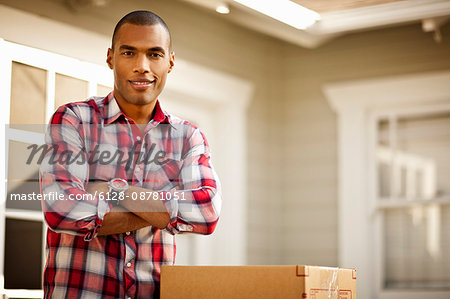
128	233
138	138
128	264
138	168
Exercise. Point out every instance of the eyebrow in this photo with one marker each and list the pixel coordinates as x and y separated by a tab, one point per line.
154	49
157	49
126	47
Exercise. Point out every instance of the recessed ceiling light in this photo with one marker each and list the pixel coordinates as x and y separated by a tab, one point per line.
284	11
223	9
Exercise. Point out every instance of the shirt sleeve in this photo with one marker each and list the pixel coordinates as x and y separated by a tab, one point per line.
64	173
196	207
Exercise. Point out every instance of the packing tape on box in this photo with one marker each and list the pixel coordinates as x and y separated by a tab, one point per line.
329	280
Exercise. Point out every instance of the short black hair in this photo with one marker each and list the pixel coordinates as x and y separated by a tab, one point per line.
142	18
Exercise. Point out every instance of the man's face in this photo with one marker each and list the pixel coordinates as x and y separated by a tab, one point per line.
141	60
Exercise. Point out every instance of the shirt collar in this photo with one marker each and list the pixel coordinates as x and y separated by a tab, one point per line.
112	112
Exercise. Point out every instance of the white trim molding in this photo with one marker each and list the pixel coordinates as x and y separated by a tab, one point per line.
356	102
335	23
380	15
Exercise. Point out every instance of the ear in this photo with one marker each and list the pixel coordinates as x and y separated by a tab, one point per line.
109	58
171	61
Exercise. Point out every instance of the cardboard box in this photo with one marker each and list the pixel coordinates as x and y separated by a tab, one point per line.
257	282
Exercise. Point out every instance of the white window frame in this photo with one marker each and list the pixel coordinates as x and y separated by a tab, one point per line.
358	104
392	203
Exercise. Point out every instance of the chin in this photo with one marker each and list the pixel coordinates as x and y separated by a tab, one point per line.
145	101
140	101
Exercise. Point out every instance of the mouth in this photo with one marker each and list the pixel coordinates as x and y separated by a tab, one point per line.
141	84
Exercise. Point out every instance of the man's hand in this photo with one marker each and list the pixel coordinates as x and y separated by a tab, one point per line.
149	212
100	188
153	211
118	220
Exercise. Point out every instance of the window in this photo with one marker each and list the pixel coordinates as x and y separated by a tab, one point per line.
413	163
37	82
393	190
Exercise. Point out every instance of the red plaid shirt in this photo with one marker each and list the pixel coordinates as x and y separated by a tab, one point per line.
81	264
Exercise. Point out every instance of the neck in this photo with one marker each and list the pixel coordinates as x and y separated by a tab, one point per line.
141	114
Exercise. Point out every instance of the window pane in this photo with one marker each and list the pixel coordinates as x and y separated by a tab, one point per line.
428	138
28	92
23	178
69	89
417	243
417	164
23	254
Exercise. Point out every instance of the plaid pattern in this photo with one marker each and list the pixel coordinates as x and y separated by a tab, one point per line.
81	264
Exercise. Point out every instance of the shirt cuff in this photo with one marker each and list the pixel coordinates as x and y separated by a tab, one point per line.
102	208
172	209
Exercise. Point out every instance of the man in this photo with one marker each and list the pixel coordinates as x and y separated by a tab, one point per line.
129	176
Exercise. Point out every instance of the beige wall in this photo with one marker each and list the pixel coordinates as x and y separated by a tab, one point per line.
292	159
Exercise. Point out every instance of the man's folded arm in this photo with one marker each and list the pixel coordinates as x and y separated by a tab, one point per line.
64	173
194	206
151	210
118	220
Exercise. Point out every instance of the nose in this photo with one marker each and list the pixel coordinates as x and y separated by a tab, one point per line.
142	64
